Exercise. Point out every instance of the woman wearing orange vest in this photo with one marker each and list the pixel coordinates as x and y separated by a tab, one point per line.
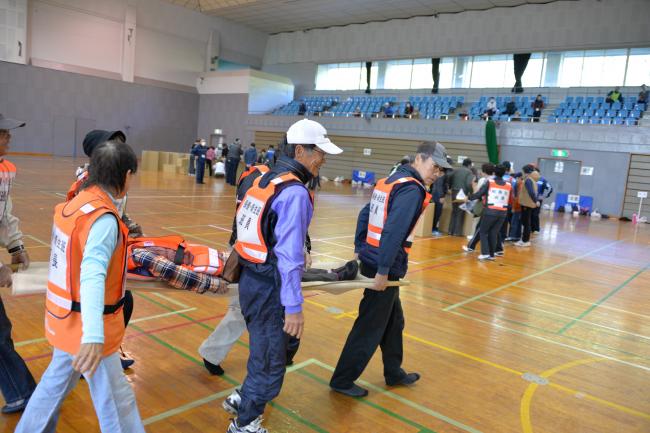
84	303
496	195
16	382
382	242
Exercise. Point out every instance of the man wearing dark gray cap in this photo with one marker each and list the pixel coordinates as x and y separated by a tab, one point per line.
382	243
16	382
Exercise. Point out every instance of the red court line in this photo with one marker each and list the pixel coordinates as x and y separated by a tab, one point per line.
140	334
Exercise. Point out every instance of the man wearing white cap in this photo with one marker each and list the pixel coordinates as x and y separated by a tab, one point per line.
272	222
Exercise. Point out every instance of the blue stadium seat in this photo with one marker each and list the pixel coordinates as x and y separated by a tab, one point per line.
618	121
600	112
600	99
589	99
623	113
551	119
616	106
636	114
573	119
594	120
630	121
606	121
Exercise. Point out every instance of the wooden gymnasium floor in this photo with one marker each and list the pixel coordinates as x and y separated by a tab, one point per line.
551	339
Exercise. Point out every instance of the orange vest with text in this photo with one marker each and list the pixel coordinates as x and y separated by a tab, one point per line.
498	196
76	186
379	204
251	244
72	223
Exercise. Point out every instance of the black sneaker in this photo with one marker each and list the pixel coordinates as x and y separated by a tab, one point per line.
348	271
213	369
353	391
16	406
407	379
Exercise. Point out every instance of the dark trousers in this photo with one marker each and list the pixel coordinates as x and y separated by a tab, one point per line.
476	236
259	296
490	239
506	224
231	171
457	218
192	169
534	219
526	217
16	382
515	226
208	163
437	213
200	169
380	323
128	307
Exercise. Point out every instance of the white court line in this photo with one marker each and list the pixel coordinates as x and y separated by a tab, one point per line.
171	300
315	254
335	244
220	228
581	301
557	343
536	274
45	244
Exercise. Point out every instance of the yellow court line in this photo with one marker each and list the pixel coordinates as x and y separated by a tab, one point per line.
526	399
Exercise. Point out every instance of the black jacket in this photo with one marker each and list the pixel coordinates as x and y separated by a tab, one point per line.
404	209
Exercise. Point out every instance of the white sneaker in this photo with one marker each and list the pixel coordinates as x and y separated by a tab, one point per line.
231	404
467	249
254	427
522	244
483	257
469	238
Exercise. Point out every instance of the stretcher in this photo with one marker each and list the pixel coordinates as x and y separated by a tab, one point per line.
34	281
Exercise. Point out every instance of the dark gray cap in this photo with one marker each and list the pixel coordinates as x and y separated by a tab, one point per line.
7	123
439	154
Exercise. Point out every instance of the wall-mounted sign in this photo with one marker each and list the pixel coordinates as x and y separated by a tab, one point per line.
573	199
559	167
642	194
587	171
367	152
559	153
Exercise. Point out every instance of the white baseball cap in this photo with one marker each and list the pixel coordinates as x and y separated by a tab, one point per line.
309	132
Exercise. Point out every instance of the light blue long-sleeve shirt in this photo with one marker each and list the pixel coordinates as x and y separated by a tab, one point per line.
100	246
294	209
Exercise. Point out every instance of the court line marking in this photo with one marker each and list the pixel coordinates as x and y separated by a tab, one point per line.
557	343
333	237
170	300
140	319
34	238
202	240
603	299
569	317
513	371
536	274
220	228
569	298
504	319
526	399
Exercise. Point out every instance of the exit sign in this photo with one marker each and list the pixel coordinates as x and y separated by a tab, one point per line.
559	153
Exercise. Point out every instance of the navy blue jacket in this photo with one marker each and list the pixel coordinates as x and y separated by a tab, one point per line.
404	209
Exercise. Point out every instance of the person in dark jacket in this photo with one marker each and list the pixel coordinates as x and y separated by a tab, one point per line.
232	162
527	193
439	190
250	156
459	180
199	153
382	244
544	190
495	194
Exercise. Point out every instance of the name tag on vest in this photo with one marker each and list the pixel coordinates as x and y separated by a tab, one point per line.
59	258
249	213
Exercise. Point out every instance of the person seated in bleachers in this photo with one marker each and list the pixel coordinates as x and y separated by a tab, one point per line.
614	96
357	112
644	95
302	109
388	110
516	117
408	110
491	108
511	107
538	106
416	114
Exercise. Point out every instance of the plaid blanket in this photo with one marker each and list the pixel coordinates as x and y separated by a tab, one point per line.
177	276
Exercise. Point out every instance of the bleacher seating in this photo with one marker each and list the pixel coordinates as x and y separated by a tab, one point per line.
523	103
595	111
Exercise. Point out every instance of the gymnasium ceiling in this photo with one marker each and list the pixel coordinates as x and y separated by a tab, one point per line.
276	16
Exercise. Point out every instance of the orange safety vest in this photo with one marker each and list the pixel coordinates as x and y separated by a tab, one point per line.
7	176
251	244
76	186
252	169
72	223
498	196
202	259
379	209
